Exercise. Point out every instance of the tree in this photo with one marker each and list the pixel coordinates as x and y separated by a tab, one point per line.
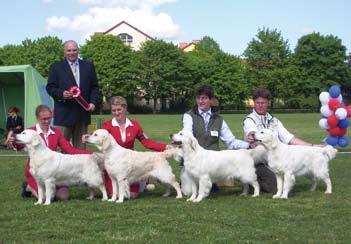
40	53
208	45
321	62
269	60
113	62
161	70
12	55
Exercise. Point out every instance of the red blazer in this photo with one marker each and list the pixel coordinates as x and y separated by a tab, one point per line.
132	133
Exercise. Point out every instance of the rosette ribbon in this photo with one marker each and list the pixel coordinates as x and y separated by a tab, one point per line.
76	95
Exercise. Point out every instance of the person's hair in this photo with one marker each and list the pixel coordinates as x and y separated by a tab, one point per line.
204	90
261	92
41	108
70	41
13	109
118	100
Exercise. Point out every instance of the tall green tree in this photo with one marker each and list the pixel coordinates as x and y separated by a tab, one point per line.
161	70
321	62
269	58
40	53
12	55
113	62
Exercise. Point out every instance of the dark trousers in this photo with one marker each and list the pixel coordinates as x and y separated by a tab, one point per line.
266	179
74	134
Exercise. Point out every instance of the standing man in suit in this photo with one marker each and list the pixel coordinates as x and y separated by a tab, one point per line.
69	115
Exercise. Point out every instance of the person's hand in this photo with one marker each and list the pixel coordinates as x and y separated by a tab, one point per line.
91	107
170	146
18	127
67	95
10	139
84	138
251	137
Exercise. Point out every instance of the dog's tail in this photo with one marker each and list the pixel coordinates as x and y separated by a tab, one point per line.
330	152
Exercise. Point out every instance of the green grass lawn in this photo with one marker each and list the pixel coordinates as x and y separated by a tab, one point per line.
224	217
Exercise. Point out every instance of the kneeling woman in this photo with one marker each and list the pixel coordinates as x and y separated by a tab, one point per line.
125	132
53	139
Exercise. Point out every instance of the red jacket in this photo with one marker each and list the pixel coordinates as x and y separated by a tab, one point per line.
132	132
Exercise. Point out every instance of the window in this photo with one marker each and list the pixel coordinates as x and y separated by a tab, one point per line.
126	38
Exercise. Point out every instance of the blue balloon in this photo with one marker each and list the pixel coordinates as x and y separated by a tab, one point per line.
344	123
332	140
343	141
334	91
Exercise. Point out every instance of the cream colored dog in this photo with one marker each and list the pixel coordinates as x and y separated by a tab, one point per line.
204	167
50	168
126	166
288	161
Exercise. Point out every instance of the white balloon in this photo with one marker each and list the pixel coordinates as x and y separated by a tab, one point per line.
325	111
340	98
340	113
323	123
324	98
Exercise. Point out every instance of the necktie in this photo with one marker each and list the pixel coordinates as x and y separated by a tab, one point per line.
75	71
206	120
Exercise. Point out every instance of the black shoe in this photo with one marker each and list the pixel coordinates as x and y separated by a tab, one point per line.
214	188
25	193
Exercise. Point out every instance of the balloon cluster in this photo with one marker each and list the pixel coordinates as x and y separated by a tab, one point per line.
335	115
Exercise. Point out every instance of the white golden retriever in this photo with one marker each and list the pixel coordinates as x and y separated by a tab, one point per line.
126	166
204	167
288	161
50	168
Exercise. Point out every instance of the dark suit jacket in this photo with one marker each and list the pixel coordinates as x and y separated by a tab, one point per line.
69	112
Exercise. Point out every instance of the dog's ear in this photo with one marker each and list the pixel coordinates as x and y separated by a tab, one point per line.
36	140
106	142
193	143
274	140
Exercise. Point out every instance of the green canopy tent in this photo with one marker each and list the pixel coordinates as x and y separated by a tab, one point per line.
22	86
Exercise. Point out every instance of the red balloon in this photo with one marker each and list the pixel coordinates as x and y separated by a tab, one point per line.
336	131
332	121
348	109
333	104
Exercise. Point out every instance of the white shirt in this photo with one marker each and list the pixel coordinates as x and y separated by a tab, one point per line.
123	132
225	133
256	122
77	77
40	131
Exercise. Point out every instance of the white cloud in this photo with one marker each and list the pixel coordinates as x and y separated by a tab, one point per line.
46	1
105	14
133	4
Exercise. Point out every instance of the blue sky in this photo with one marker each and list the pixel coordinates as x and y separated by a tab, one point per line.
232	23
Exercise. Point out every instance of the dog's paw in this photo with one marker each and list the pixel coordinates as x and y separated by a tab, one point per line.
243	194
104	199
198	200
38	203
112	199
47	203
328	192
284	197
255	195
276	196
190	199
179	197
90	198
119	201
